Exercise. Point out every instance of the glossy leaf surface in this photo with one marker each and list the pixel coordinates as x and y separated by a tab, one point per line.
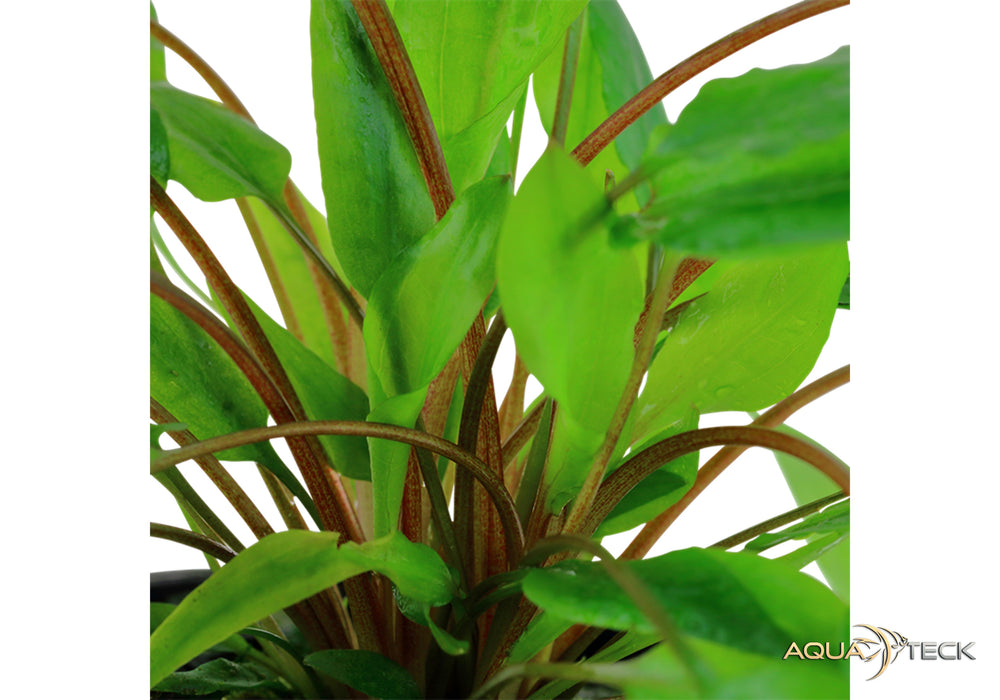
215	153
571	301
732	598
749	342
757	162
376	198
366	672
282	569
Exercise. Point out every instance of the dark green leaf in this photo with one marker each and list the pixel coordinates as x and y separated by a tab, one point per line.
659	490
221	675
366	672
159	152
421	613
749	342
733	598
757	163
473	59
197	382
571	301
280	570
375	194
834	519
611	68
423	306
215	153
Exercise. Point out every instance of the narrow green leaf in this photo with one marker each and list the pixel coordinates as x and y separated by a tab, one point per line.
423	306
280	570
611	68
159	151
222	675
807	485
569	298
757	163
813	550
375	194
472	60
421	614
215	153
732	598
388	458
749	342
325	395
157	59
366	672
834	519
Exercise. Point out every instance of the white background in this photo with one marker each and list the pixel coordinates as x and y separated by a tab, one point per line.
915	424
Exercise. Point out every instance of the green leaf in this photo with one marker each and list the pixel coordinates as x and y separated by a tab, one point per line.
423	306
366	672
293	273
217	154
221	675
325	395
157	59
659	490
197	382
731	673
472	60
375	193
834	519
812	550
749	342
845	295
571	301
807	485
611	68
159	151
421	614
280	570
757	163
732	598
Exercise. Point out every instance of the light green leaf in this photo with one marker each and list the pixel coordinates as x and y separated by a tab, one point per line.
280	570
423	306
732	598
757	163
215	153
159	151
376	197
389	458
157	60
472	60
611	68
749	342
571	301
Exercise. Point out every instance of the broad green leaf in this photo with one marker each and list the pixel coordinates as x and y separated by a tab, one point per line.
280	570
197	382
807	485
730	673
325	395
292	271
376	197
159	151
215	153
423	306
157	59
757	163
732	598
472	59
571	301
366	672
222	675
659	490
834	519
749	342
611	68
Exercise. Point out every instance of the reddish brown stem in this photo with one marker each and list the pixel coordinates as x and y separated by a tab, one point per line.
692	66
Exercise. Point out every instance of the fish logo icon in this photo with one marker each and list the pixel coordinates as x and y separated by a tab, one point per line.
886	645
